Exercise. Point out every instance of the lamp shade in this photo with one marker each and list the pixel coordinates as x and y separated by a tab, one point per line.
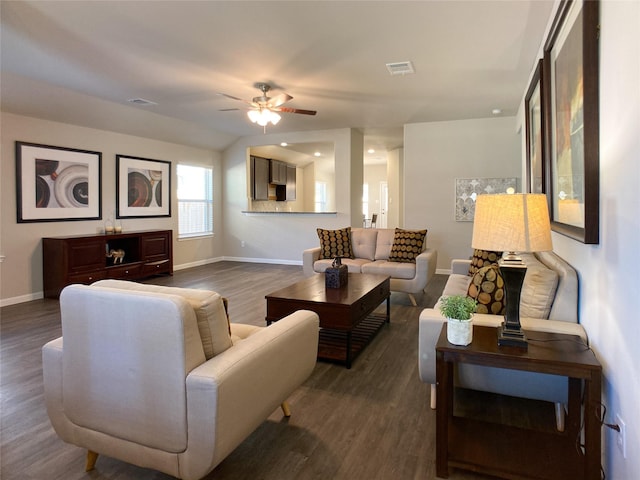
512	223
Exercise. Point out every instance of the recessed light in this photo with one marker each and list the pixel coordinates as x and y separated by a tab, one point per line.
496	111
371	150
317	154
284	144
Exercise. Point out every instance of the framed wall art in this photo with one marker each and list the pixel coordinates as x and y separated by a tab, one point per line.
570	76
534	136
468	189
143	187
55	184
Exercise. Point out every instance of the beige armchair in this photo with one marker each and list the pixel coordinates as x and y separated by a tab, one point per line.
154	376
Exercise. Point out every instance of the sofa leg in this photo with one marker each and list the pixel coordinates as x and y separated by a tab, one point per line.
560	417
413	300
433	397
286	410
91	460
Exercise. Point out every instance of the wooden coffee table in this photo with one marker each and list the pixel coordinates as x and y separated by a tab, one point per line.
347	322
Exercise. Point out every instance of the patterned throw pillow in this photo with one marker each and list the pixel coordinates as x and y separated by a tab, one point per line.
407	245
335	243
487	288
483	258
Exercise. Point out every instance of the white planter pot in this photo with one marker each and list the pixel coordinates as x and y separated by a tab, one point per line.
459	332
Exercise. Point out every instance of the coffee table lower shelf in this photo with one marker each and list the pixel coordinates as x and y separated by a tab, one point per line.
343	346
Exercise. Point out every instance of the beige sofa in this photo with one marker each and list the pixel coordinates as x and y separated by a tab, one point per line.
156	377
371	248
549	303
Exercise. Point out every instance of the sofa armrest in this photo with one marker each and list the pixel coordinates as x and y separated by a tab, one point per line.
243	385
426	264
460	266
309	257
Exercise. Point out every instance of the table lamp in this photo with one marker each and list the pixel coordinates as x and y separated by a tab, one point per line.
512	223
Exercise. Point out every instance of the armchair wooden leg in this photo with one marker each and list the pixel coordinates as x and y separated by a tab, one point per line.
560	417
433	396
286	410
91	460
413	300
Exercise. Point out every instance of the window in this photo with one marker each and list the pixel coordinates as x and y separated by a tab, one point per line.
321	196
195	201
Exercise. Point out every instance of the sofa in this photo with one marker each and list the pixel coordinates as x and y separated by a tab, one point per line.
159	378
370	253
549	303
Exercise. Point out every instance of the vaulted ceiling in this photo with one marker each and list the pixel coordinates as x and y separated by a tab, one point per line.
80	62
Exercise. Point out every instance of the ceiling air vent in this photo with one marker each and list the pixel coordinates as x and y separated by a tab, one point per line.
141	101
400	68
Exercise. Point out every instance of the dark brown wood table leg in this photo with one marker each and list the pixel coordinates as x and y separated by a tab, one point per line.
348	359
592	426
388	319
444	399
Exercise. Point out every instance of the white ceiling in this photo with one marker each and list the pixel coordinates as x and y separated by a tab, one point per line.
80	61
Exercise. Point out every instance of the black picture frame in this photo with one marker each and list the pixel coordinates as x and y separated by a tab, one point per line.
571	80
57	184
143	187
534	125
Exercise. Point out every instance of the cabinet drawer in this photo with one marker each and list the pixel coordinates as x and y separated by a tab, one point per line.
152	268
131	270
87	278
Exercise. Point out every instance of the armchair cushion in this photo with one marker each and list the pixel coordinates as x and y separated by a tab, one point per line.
335	243
538	289
363	241
213	322
384	243
407	245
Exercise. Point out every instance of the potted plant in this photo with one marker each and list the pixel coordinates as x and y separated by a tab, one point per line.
458	309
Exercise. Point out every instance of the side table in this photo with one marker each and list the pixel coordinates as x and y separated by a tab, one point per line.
513	452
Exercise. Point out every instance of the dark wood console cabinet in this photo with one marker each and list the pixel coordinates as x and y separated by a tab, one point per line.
84	258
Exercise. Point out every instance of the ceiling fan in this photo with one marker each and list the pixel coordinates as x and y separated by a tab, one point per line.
264	109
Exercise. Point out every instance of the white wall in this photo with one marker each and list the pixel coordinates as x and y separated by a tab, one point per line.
373	175
609	299
281	237
437	153
21	271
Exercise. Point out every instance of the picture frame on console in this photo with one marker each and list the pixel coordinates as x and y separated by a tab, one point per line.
143	187
534	133
570	79
57	184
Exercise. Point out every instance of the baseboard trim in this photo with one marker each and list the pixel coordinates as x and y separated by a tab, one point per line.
5	302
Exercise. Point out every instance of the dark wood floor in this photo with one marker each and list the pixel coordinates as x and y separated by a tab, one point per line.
370	422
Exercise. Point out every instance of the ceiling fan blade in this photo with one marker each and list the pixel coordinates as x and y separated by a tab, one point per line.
228	109
295	110
235	98
280	99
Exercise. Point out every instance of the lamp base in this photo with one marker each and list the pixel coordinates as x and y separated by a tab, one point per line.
511	337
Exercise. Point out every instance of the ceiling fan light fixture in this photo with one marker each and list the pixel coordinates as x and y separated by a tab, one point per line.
263	117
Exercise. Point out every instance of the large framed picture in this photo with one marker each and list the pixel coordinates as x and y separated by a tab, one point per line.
534	135
570	75
55	184
143	187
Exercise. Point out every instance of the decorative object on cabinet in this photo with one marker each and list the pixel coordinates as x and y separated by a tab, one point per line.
143	187
572	120
468	190
88	258
534	137
55	184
